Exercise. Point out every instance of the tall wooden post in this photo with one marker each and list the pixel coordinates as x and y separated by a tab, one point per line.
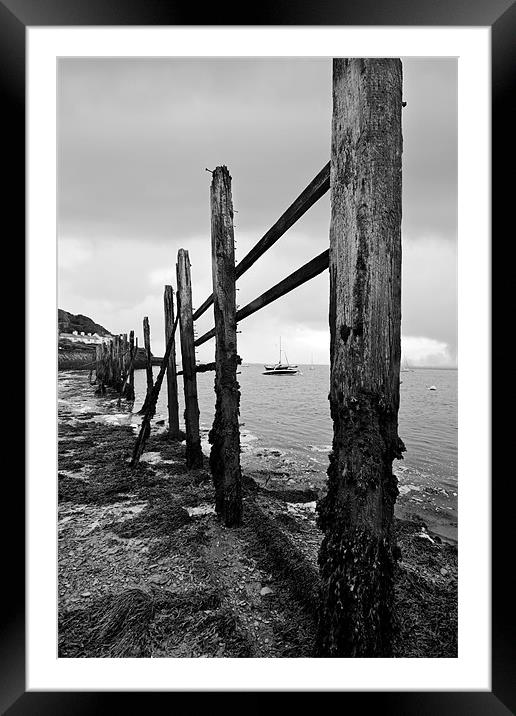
97	364
184	307
125	357
148	363
130	385
151	406
101	375
111	374
121	360
116	361
357	556
173	406
225	434
148	354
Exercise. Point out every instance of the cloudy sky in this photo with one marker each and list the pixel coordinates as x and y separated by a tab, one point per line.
134	139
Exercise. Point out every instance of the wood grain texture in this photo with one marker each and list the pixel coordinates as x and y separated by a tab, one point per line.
201	368
148	354
184	307
172	399
224	436
129	394
116	361
357	556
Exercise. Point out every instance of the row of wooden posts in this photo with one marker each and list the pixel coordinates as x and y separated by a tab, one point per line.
114	365
224	436
357	556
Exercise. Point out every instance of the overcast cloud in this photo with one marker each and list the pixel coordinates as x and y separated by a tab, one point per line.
135	137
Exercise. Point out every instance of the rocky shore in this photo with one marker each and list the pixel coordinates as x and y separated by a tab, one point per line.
146	570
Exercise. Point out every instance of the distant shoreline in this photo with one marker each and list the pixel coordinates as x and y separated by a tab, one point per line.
156	360
81	356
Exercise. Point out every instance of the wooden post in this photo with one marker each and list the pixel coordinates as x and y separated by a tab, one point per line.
116	362
127	387
130	386
122	359
97	363
358	553
184	308
148	365
148	354
125	361
101	371
173	406
105	361
225	434
120	367
111	373
144	433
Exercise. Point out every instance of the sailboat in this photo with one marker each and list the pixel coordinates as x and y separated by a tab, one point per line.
280	368
311	366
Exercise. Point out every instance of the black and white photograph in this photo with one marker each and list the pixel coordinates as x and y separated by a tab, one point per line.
259	413
257	357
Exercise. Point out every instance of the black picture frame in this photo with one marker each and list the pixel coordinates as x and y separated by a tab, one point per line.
500	15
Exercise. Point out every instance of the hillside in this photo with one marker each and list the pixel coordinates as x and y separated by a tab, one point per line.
76	352
68	323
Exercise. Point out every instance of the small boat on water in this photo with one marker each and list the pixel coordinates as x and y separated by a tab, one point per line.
280	368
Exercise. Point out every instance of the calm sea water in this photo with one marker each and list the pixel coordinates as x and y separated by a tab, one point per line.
286	427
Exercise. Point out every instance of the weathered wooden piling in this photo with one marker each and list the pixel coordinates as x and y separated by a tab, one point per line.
202	367
357	555
101	370
184	308
116	362
122	359
172	399
148	364
97	363
225	434
144	433
110	368
148	354
129	394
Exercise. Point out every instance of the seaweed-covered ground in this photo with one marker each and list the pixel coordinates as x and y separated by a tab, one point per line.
146	570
